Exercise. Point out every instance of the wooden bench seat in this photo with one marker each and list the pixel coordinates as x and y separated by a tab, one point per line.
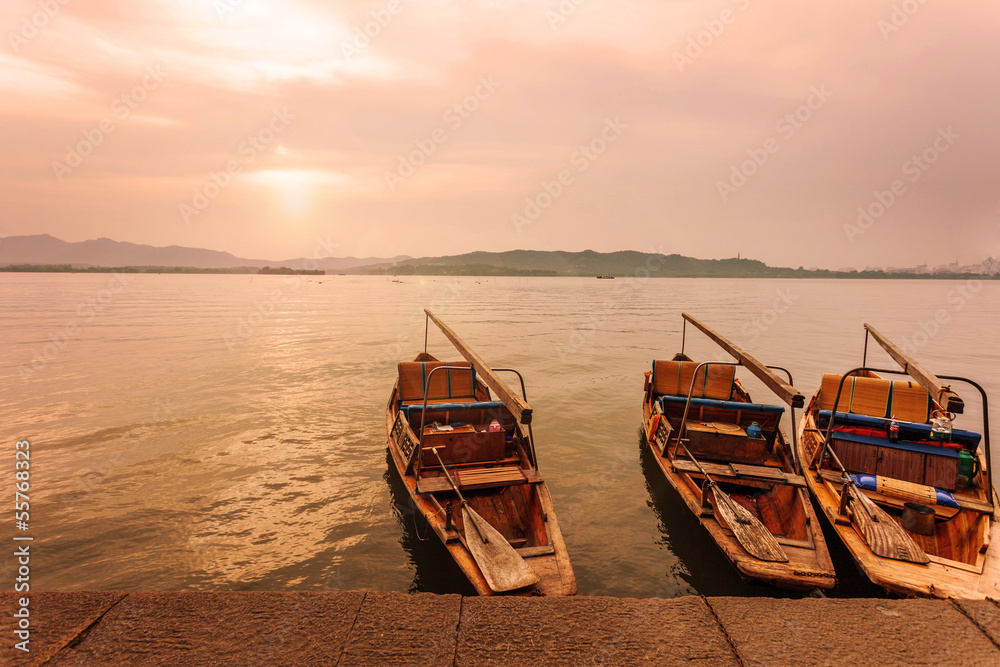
740	470
480	478
535	552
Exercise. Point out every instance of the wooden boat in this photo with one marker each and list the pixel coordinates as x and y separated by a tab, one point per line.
467	459
918	515
730	462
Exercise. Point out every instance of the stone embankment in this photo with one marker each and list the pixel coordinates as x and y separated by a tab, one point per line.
367	628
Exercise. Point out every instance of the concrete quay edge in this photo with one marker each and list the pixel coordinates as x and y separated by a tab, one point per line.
351	628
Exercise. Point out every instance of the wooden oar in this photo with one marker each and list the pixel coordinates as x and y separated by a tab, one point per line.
749	531
502	567
884	537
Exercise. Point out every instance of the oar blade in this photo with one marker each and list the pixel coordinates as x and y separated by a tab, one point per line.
502	567
749	531
884	536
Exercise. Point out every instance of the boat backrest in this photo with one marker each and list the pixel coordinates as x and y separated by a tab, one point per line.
877	397
456	383
674	378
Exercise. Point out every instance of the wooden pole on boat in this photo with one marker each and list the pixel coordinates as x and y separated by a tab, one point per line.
782	389
518	407
939	391
502	567
749	531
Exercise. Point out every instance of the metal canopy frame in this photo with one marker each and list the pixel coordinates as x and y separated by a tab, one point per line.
986	418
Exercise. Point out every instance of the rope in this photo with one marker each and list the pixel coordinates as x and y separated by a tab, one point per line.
416	530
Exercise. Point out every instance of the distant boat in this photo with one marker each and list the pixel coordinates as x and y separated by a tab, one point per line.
607	277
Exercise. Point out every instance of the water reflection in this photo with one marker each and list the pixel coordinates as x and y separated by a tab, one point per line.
177	453
434	569
701	568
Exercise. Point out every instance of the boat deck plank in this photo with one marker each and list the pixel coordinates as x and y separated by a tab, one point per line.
740	470
441	485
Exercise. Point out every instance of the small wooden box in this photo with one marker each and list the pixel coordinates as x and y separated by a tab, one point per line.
463	444
725	442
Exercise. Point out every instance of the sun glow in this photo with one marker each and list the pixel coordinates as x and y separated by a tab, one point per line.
295	190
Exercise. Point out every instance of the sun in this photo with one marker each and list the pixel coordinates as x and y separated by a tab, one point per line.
295	191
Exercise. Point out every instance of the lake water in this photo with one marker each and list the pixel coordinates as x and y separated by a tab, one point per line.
214	432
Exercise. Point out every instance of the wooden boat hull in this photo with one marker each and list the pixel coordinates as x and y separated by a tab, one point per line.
528	505
809	565
974	533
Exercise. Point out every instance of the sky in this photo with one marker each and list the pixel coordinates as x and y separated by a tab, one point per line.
823	133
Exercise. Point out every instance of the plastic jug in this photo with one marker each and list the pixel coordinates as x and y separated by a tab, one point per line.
968	468
753	431
495	426
941	426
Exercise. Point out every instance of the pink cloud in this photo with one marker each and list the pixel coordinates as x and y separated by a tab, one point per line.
367	85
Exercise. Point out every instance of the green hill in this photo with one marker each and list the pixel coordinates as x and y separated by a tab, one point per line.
620	264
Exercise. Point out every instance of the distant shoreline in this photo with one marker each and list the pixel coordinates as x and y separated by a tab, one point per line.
68	268
492	272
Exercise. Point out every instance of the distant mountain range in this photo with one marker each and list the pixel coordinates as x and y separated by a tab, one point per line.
47	253
42	249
